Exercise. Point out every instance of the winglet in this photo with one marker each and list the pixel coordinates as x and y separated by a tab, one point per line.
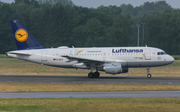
23	38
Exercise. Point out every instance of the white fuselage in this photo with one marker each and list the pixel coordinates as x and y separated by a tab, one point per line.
127	56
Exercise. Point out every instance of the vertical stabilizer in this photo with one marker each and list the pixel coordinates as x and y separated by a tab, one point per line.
23	38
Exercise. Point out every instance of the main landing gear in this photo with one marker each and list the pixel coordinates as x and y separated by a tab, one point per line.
148	75
94	75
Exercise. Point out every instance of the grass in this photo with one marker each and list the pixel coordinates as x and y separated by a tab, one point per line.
90	104
176	57
44	87
11	66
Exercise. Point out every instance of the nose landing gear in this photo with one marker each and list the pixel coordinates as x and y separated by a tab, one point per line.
148	75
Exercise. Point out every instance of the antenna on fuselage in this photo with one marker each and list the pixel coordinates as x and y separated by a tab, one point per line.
146	45
72	46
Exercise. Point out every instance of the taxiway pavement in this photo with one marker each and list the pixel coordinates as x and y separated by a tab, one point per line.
90	94
85	79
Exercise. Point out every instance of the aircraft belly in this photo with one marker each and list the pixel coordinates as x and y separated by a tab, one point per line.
147	63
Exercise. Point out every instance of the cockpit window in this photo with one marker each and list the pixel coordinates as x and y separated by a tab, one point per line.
161	53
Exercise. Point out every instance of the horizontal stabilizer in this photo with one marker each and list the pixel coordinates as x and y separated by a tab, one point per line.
19	53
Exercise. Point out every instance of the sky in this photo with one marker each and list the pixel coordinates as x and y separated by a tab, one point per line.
97	3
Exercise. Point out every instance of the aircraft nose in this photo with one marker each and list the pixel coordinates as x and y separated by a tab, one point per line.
171	59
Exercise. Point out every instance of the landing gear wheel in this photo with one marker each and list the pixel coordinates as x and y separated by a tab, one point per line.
96	74
149	75
90	75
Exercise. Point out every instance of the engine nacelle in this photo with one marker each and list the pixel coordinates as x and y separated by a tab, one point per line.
113	68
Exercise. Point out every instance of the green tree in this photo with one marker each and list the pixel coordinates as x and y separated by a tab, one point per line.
32	3
163	31
52	2
89	35
127	9
6	36
58	22
120	31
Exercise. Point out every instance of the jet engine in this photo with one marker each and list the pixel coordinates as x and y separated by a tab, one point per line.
114	68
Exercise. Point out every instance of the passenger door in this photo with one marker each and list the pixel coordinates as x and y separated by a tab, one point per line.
148	54
44	56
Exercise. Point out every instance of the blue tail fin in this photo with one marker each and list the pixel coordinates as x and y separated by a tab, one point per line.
24	39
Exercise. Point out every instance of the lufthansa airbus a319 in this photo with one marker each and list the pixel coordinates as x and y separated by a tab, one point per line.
112	60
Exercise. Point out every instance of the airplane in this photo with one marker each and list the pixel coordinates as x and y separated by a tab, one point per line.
112	60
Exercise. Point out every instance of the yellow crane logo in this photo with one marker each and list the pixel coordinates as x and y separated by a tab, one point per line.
21	35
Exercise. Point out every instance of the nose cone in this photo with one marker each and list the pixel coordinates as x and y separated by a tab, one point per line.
170	59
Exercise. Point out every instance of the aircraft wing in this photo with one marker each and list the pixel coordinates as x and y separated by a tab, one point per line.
84	60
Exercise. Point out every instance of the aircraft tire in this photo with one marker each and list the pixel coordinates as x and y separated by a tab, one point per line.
148	75
91	75
96	74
